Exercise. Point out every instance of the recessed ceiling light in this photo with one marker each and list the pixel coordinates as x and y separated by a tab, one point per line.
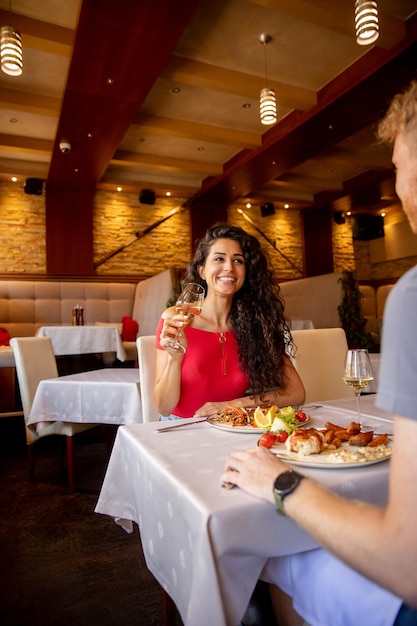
286	205
248	205
119	188
110	81
13	179
200	148
168	193
176	90
246	105
13	120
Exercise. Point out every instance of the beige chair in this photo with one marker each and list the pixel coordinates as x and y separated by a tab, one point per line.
35	361
319	360
147	364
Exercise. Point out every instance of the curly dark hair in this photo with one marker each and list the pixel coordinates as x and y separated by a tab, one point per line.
257	315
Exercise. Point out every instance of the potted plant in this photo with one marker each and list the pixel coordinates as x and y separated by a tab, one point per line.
350	313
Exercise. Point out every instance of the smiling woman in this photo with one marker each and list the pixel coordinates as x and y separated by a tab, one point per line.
232	344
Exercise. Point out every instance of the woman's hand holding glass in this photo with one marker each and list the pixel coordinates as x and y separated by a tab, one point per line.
188	305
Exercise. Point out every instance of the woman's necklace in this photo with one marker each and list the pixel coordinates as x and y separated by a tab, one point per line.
222	339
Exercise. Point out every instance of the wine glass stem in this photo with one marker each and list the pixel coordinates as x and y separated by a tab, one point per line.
358	406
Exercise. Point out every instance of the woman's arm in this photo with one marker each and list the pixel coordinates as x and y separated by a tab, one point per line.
293	394
168	366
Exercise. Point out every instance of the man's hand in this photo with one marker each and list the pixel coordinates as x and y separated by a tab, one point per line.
254	471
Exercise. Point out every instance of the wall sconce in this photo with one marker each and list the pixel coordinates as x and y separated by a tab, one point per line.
267	101
366	22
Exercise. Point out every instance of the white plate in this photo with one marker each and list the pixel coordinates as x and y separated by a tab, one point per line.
328	458
251	430
214	420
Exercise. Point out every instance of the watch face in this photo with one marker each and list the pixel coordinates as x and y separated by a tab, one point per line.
286	481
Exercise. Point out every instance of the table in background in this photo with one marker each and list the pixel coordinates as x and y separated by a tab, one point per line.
205	545
301	324
74	340
105	396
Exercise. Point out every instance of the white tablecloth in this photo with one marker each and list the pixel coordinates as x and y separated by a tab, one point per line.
69	340
205	545
301	325
105	396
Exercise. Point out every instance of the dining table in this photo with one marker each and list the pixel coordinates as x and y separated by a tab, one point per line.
103	396
70	340
207	545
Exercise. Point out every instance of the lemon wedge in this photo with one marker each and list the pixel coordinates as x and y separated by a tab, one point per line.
261	419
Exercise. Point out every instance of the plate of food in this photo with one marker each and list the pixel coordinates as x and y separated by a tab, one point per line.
333	447
261	419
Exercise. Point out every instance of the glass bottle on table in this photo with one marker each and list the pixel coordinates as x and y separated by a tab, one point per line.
189	304
358	373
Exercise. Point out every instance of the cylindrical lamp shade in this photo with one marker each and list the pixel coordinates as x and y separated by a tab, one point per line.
366	22
11	55
268	106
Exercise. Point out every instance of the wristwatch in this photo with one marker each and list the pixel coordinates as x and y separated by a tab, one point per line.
285	484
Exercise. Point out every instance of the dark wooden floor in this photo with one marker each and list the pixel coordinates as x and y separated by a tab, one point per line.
61	563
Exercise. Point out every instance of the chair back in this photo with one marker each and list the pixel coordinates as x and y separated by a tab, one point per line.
35	361
147	367
319	360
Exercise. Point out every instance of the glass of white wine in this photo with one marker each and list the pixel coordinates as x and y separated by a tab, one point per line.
189	304
358	373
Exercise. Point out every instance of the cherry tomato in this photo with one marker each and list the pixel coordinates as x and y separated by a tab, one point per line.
301	416
281	436
267	440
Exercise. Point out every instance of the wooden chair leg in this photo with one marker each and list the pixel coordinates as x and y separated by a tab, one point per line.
170	610
70	463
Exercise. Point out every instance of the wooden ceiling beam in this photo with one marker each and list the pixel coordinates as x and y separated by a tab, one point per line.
171	127
168	164
354	101
40	35
323	14
207	76
29	102
110	75
29	144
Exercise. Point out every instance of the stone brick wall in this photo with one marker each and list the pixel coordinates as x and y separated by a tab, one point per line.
119	216
22	231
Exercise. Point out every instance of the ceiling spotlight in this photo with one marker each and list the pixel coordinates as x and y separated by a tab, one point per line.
366	22
248	205
286	205
267	100
118	188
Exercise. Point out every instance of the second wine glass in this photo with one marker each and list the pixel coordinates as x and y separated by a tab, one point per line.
358	373
189	304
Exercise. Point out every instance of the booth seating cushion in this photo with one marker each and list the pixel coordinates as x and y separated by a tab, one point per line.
27	305
316	299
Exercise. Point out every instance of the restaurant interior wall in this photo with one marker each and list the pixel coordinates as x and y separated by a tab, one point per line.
118	216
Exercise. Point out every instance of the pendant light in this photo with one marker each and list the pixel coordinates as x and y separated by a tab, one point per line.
11	53
267	101
366	22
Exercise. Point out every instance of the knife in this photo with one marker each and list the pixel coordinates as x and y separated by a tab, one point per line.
185	422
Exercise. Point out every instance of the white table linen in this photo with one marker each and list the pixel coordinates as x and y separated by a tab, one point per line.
380	419
105	396
206	545
301	324
70	340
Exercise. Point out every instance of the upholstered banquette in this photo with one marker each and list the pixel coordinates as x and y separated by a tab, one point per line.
27	305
